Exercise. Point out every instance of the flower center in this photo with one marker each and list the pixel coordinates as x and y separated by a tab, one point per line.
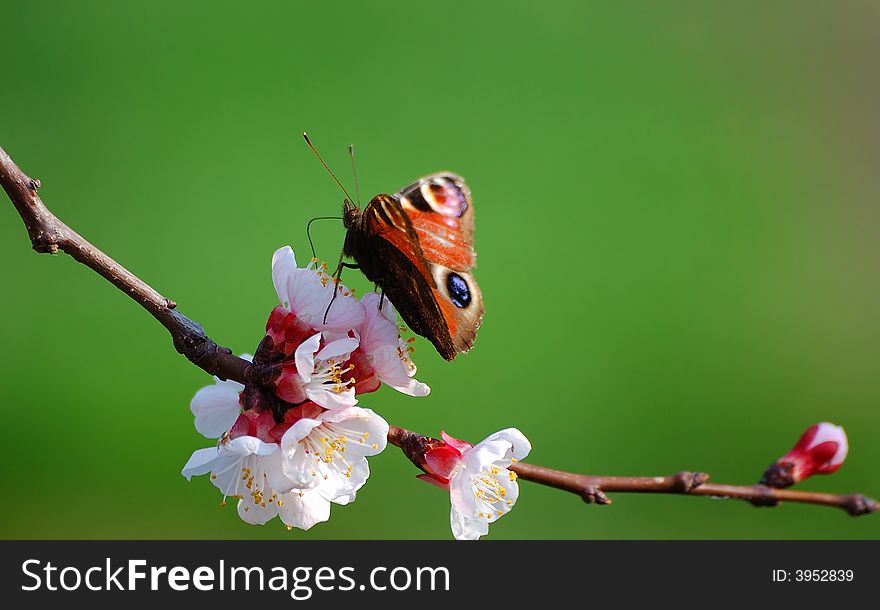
490	494
330	374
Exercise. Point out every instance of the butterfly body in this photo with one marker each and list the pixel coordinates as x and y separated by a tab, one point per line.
417	245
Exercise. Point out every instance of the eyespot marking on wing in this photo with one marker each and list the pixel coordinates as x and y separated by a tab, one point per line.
459	291
438	194
444	198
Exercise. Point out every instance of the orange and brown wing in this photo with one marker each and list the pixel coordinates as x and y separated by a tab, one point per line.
423	239
441	212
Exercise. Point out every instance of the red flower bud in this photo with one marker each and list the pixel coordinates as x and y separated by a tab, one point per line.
437	458
820	450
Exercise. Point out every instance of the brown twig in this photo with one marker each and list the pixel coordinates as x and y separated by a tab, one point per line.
49	234
593	489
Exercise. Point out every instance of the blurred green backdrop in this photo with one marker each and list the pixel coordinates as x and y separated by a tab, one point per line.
677	230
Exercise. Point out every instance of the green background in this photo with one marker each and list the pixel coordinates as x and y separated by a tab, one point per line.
677	230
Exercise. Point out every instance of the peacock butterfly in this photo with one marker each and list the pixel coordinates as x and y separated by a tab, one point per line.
417	245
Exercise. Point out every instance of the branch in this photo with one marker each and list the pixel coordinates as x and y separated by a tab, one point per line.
49	234
593	488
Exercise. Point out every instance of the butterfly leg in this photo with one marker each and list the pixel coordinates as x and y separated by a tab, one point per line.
337	277
381	298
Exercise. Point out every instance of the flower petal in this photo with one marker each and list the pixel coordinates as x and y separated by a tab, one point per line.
441	461
501	447
459	444
339	347
283	266
464	528
247	445
430	478
365	430
304	357
392	371
256	513
380	326
310	297
303	509
200	462
216	407
345	499
339	486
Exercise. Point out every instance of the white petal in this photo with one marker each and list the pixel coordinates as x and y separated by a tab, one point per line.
298	431
519	444
498	447
345	499
200	462
464	528
247	445
366	431
379	327
256	514
829	432
283	265
304	357
345	314
340	486
216	407
301	469
297	465
391	370
461	493
303	509
275	475
337	348
310	300
330	399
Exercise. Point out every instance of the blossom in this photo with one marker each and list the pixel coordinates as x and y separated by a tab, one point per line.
481	486
329	451
821	449
245	468
316	373
250	460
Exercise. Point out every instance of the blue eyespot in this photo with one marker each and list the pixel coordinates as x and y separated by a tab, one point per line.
458	290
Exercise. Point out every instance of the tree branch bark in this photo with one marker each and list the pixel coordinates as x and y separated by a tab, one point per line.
49	234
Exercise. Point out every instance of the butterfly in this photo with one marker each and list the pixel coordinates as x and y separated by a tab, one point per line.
417	245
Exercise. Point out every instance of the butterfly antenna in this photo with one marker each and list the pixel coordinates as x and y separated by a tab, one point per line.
357	188
309	234
314	150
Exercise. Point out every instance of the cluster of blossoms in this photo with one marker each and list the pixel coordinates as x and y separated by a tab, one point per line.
293	446
296	443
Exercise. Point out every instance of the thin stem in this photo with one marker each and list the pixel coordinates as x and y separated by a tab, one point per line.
593	489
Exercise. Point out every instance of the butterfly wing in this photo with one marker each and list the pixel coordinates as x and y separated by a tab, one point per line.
423	240
442	214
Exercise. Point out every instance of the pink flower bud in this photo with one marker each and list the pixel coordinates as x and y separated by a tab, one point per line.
820	450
